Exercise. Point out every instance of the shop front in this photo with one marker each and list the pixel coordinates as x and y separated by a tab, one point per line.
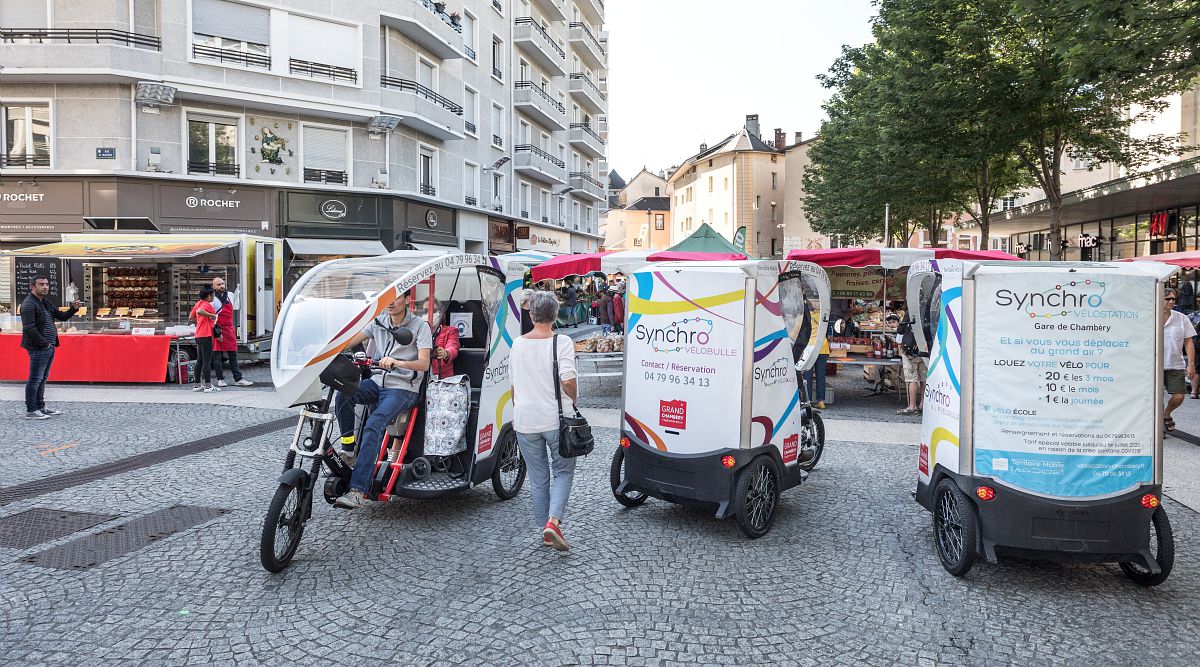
583	244
422	226
500	236
1139	234
543	239
320	226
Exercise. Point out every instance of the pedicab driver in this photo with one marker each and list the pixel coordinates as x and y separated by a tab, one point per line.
392	389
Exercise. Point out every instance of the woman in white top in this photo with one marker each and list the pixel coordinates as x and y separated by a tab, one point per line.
535	414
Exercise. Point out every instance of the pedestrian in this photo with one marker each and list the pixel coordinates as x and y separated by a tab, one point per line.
814	378
526	322
205	317
913	365
618	310
1178	343
536	415
1189	289
225	345
606	312
570	300
39	337
445	343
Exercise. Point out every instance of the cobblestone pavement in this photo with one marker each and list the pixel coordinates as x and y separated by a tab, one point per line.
848	576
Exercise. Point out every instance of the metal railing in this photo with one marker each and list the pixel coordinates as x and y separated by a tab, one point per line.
499	7
522	85
586	177
537	27
546	219
497	73
499	208
427	189
470	127
471	201
432	7
587	128
534	150
580	76
214	168
525	214
588	32
422	90
24	160
497	141
229	55
324	176
80	36
470	52
314	70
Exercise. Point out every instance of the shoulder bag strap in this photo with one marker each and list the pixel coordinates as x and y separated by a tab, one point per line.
557	389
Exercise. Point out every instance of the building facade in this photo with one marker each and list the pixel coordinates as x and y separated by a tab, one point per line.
467	123
798	232
643	224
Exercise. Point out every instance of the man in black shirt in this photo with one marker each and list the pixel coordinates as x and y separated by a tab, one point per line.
39	337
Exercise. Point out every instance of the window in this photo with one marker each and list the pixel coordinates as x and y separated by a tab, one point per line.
726	218
689	194
231	32
773	219
497	57
428	162
468	26
26	136
575	214
525	194
1008	203
711	220
1000	244
427	74
710	183
774	178
322	50
1080	162
587	217
471	184
726	184
324	151
660	220
757	201
656	192
544	205
498	191
471	111
212	145
497	126
24	13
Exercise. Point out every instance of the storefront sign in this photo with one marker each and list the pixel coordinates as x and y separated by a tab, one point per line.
205	202
500	236
1087	241
106	153
1068	363
540	238
23	197
431	219
40	209
332	209
848	283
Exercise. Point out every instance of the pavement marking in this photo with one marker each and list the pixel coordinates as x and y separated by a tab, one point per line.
1184	436
42	449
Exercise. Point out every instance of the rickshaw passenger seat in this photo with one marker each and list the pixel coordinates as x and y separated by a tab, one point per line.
472	363
479	324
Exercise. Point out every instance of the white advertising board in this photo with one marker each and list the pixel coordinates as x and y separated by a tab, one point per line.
1064	384
684	351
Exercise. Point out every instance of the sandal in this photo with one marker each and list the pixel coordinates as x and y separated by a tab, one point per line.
1169	423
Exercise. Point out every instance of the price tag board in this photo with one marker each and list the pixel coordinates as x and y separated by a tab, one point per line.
28	268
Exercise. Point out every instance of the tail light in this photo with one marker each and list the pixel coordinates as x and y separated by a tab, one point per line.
1150	501
985	493
624	442
728	461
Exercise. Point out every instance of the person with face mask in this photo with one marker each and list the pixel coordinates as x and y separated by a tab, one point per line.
445	343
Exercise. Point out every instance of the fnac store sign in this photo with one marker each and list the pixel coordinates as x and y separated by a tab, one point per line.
672	414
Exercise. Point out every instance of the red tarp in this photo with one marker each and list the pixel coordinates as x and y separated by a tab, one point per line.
891	258
686	256
92	358
568	265
1186	259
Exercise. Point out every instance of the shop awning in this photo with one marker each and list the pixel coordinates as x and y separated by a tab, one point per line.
892	258
345	247
121	250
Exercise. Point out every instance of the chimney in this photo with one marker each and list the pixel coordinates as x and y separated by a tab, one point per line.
799	137
752	124
780	137
703	147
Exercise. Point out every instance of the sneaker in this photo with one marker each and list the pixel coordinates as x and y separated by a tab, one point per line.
221	383
351	501
820	405
198	387
908	411
36	414
244	383
552	535
51	411
348	457
208	389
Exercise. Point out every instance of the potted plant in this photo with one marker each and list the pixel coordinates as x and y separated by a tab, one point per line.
440	6
456	19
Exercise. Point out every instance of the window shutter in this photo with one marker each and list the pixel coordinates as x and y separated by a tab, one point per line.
322	42
324	149
231	20
23	14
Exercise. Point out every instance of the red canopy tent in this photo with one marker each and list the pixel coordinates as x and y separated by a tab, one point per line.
1186	259
618	261
891	258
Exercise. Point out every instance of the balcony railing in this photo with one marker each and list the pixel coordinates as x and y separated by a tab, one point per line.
537	27
587	128
588	32
499	7
470	52
427	189
24	160
470	127
214	168
324	176
534	150
579	76
423	91
497	73
81	36
522	85
431	6
230	56
546	219
583	175
321	70
471	201
497	141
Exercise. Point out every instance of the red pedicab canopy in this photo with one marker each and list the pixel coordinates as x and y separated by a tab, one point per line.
891	258
617	261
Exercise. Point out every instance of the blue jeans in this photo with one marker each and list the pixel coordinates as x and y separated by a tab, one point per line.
389	403
39	371
549	499
814	380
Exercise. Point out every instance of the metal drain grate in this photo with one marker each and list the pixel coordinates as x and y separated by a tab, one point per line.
37	526
69	480
91	550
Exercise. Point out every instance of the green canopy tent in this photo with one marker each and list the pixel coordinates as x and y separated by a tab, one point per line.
706	239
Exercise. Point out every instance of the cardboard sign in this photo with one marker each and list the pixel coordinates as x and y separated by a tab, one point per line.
672	414
463	322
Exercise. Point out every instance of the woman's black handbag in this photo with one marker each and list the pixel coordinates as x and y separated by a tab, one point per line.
216	331
574	433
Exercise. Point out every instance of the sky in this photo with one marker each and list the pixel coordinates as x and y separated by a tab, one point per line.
682	72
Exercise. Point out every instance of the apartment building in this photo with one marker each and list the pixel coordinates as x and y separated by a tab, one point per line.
476	124
798	232
639	217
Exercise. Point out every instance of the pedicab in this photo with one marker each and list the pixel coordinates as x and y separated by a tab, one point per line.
311	362
713	412
1042	428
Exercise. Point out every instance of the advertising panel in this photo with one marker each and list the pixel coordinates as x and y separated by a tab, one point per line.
848	283
684	349
1064	381
939	303
775	419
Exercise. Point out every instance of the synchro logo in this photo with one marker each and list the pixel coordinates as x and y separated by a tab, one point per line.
688	332
1054	302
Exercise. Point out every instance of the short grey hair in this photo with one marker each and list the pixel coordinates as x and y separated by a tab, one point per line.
543	307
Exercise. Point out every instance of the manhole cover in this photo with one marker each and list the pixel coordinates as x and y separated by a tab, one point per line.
38	526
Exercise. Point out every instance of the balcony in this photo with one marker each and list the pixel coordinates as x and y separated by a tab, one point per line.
423	23
79	36
538	164
497	141
49	55
214	168
555	10
322	71
539	105
470	127
242	58
584	138
586	184
586	45
593	10
532	38
324	176
24	160
602	127
470	201
423	109
427	189
586	93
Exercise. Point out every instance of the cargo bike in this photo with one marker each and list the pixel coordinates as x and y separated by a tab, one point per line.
311	362
712	410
